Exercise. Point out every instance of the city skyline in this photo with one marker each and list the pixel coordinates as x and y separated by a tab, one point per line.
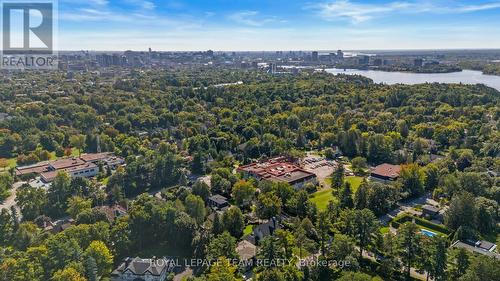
194	25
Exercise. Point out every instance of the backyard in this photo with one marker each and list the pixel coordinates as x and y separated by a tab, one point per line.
322	197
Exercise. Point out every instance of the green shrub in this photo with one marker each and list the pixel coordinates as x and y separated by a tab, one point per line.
425	223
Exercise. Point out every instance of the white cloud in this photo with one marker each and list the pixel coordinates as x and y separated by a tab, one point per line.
252	18
481	7
148	5
359	12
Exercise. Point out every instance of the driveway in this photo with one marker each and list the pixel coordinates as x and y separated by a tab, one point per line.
11	200
404	207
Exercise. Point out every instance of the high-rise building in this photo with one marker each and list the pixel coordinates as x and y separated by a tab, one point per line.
418	62
272	68
364	60
340	54
314	56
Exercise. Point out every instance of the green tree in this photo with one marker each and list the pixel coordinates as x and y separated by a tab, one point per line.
243	193
90	269
26	234
270	251
271	274
233	221
31	201
217	227
482	268
222	245
300	238
412	179
68	274
459	263
323	227
362	225
439	259
78	141
6	227
200	188
268	205
102	256
355	276
359	164
77	204
462	212
58	194
346	196
343	249
223	270
338	177
195	207
299	204
431	177
6	182
286	240
408	242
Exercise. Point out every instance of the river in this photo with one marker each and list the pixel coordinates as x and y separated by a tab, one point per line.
464	77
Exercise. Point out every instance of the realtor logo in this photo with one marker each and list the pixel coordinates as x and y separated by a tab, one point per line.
28	30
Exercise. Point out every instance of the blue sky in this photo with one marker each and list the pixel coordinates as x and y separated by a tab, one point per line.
278	24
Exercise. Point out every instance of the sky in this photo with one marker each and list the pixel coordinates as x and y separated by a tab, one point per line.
257	25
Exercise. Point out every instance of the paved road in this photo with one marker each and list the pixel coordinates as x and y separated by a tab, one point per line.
11	200
186	273
404	207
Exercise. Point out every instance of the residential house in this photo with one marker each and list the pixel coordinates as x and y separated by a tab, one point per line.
480	247
218	202
386	172
246	252
137	269
112	212
430	211
279	170
264	230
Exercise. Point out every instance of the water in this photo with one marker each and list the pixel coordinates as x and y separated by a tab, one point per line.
464	77
427	232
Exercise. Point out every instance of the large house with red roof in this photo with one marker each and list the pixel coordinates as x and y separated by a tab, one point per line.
279	170
386	172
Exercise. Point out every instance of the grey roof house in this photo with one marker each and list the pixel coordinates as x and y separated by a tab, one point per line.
218	202
137	269
480	247
264	230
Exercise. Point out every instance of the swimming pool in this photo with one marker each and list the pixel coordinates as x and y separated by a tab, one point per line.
427	232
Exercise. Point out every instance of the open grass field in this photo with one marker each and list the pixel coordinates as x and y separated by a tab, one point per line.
355	182
322	198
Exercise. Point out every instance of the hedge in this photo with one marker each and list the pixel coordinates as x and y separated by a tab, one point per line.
396	222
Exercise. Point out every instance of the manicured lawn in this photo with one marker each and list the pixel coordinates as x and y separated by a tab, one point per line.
322	198
355	182
384	230
248	229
